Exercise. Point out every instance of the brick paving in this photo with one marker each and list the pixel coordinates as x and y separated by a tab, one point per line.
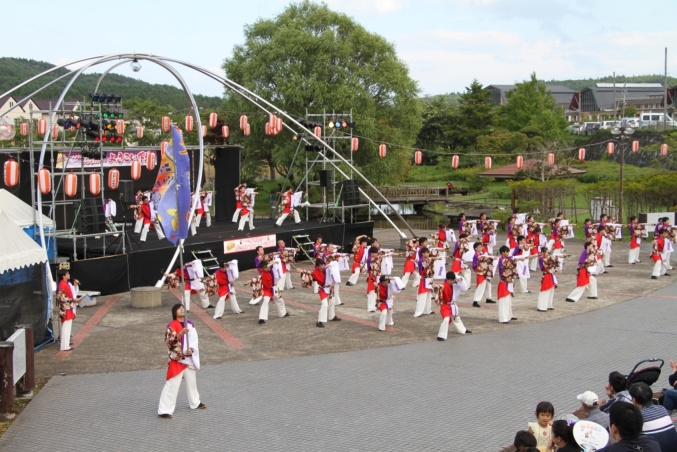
291	386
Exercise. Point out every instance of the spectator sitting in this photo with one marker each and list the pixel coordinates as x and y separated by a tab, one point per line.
657	422
525	442
670	397
626	421
592	412
617	390
563	437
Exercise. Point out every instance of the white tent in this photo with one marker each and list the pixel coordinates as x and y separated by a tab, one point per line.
17	249
22	214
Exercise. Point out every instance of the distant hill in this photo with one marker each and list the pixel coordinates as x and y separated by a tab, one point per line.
584	83
15	70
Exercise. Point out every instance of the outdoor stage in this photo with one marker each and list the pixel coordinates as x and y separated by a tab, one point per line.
143	265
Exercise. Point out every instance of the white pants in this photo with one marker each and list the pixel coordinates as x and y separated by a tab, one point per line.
659	268
483	288
285	281
371	301
297	219
244	219
171	390
208	218
316	287
545	299
138	225
354	277
444	327
579	291
523	284
66	334
235	215
194	225
505	309
550	244
417	279
386	317
633	255
600	266
279	303
203	298
405	279
667	260
326	310
423	304
337	296
533	265
146	228
466	274
221	304
607	259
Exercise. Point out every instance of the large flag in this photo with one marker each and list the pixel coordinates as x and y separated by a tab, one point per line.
172	187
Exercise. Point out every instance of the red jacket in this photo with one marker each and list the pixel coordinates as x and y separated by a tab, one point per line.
145	212
222	281
267	284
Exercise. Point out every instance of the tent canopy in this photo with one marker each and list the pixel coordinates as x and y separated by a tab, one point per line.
17	249
22	214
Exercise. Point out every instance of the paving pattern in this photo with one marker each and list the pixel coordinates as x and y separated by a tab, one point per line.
471	393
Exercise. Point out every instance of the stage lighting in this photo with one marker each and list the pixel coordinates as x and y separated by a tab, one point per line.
313	148
72	122
108	124
135	65
295	137
330	125
95	97
117	99
93	134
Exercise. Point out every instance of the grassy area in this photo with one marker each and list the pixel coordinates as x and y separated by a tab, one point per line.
19	404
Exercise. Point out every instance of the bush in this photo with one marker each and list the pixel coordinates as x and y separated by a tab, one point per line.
588	178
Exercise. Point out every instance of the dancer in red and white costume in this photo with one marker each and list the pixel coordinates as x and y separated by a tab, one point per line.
483	266
247	212
587	264
287	203
268	288
239	190
411	250
359	259
507	271
321	276
385	302
138	216
226	292
65	298
658	256
373	273
287	258
446	296
426	270
199	210
184	359
636	235
192	283
549	265
149	221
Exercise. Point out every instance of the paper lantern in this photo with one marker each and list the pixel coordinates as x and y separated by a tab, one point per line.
166	124
113	179
136	170
487	162
204	131
94	183
11	173
418	157
70	186
520	162
163	148
243	121
23	129
55	132
44	181
225	131
355	144
278	125
551	158
139	132
581	154
189	123
120	126
213	119
42	126
272	120
454	161
635	147
151	160
268	129
610	148
247	129
664	150
318	131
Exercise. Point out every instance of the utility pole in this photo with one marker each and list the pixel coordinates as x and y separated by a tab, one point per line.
665	97
615	106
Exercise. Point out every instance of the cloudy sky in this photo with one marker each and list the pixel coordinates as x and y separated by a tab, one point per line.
446	43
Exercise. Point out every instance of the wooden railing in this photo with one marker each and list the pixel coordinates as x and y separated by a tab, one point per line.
408	193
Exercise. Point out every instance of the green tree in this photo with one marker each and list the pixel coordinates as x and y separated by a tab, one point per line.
438	117
146	113
310	58
474	117
630	111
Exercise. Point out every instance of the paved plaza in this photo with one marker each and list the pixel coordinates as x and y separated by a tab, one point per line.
394	390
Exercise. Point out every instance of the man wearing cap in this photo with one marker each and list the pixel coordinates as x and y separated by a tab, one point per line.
592	412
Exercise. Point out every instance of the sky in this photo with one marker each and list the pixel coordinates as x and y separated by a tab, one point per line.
445	43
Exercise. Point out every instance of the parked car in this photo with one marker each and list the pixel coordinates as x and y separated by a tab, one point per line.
610	124
591	128
630	122
656	120
575	128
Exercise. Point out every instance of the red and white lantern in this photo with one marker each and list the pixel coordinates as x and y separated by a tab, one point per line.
44	181
551	158
278	125
189	123
664	150
418	157
272	121
94	183
151	160
487	162
139	132
520	162
355	144
136	170
247	129
454	161
243	121
120	126
113	179
166	124
163	148
42	126
11	173
382	150
610	148
71	185
23	129
213	119
635	146
268	129
225	131
55	132
204	131
318	131
581	154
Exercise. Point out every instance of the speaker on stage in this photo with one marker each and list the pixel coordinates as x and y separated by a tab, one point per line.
226	178
350	193
90	217
126	190
325	178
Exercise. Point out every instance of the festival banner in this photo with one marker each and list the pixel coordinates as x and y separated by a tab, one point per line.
74	160
248	243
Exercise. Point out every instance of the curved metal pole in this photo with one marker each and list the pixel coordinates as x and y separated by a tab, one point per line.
96	88
36	92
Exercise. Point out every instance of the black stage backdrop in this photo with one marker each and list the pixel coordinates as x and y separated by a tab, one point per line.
107	275
226	178
354	230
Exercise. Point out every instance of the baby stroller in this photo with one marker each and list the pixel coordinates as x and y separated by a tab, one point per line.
648	374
